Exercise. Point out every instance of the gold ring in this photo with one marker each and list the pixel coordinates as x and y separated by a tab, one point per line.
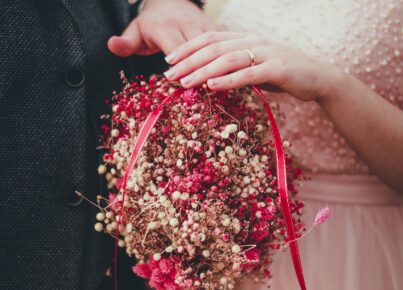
251	56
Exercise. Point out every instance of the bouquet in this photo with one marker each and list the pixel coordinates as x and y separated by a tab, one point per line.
200	206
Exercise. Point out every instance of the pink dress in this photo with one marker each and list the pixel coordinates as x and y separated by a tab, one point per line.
361	246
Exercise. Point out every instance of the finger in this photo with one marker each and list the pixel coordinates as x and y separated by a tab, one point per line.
169	39
205	55
199	42
230	62
130	42
120	46
249	76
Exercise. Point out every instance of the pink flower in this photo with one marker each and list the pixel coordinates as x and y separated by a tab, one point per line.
142	270
157	276
157	286
161	274
166	266
322	216
190	97
111	197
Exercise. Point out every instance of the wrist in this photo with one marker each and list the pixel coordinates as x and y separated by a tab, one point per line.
335	82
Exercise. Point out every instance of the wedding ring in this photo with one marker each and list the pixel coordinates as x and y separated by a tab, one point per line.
251	56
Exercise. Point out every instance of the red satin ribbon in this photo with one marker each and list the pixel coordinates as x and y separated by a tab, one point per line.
144	132
283	190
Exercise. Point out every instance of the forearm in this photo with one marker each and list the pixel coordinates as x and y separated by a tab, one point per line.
371	125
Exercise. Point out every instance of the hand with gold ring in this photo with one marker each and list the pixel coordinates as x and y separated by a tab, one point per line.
227	60
230	60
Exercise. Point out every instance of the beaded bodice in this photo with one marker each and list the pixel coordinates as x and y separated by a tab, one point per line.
363	37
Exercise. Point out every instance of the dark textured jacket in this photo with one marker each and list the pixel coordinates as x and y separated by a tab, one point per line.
52	92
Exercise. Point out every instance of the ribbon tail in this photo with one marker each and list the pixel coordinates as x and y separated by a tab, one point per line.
283	190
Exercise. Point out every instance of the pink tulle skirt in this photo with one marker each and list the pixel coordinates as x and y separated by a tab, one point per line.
359	247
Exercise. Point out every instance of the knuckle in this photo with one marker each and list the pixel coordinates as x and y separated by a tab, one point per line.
212	68
182	49
186	64
229	80
250	73
216	48
209	37
231	57
203	71
209	70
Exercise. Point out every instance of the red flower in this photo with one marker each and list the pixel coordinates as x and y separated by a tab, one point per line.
161	273
253	255
142	270
171	286
157	276
260	231
190	97
166	266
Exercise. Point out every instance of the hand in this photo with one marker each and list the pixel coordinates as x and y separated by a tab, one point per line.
162	25
221	60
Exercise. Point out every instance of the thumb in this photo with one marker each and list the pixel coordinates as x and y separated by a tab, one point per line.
130	42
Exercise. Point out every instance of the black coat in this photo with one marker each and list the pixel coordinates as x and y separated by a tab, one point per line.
54	78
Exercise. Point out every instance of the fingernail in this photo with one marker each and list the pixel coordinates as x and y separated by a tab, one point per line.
186	80
169	74
170	57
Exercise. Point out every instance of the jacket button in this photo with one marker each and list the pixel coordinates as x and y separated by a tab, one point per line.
74	199
74	77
